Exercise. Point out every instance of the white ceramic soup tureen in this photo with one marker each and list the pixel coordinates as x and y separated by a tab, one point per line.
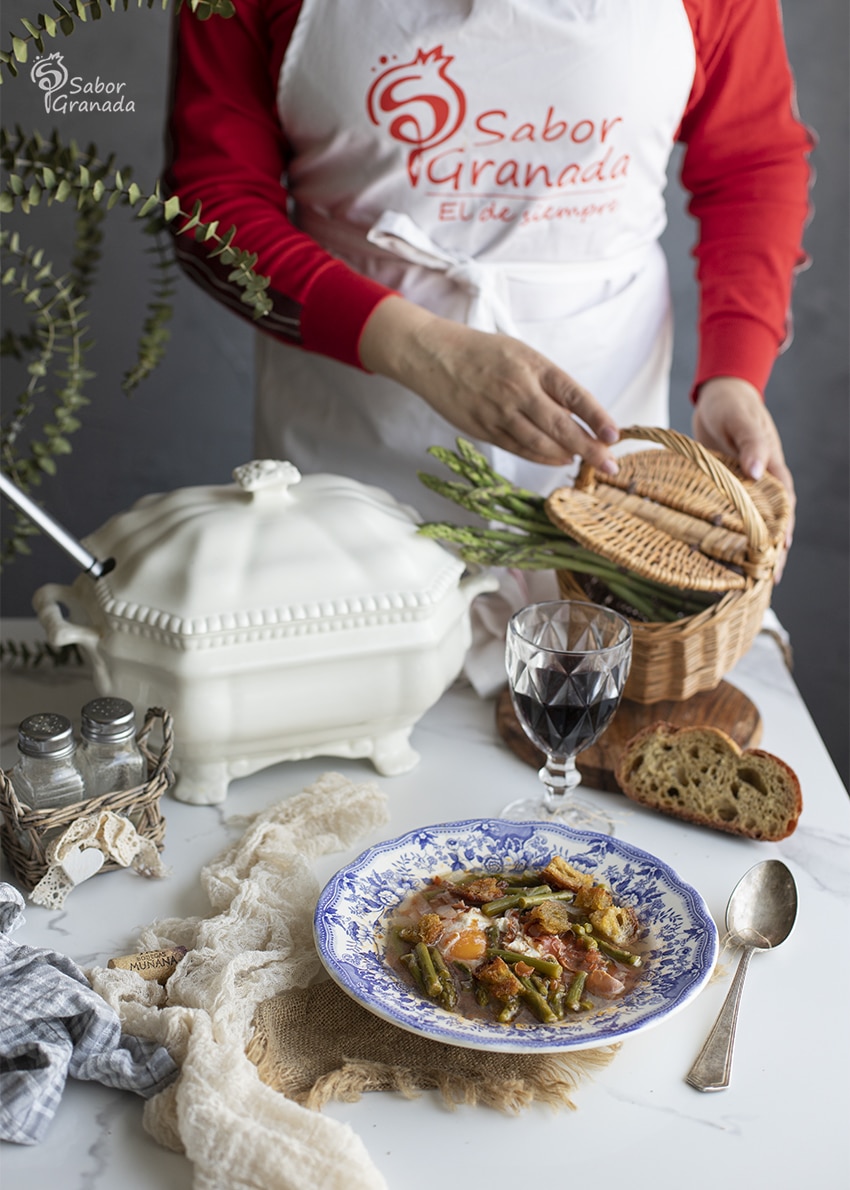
276	618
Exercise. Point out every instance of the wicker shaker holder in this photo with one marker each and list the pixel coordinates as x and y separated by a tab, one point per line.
22	830
679	659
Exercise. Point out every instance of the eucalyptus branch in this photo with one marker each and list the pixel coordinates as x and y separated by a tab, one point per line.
155	333
46	170
76	12
58	329
17	654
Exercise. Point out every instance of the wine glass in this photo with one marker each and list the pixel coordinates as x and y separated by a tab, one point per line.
567	664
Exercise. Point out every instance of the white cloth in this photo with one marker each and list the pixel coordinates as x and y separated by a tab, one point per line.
239	1133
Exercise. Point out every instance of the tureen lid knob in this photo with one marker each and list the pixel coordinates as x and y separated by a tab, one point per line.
266	473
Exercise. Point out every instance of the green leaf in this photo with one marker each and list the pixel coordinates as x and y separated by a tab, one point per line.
63	190
98	190
171	209
48	24
7	203
150	204
19	49
47	464
134	193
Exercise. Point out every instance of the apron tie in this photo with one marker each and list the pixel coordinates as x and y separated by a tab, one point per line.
399	234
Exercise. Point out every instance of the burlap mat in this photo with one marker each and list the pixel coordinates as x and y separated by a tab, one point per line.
316	1044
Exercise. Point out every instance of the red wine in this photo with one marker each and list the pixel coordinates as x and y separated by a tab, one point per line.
563	729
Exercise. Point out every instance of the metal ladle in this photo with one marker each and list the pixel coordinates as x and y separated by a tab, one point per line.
759	916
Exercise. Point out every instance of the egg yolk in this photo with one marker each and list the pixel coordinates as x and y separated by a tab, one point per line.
465	944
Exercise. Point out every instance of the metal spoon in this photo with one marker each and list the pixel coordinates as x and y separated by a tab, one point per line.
759	916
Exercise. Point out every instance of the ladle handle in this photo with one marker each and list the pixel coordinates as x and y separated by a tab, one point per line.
713	1067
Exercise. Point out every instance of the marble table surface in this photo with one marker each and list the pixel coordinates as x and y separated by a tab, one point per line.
783	1121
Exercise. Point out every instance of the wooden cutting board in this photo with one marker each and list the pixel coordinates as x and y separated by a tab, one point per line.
726	707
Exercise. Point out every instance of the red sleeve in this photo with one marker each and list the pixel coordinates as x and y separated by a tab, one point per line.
747	170
226	148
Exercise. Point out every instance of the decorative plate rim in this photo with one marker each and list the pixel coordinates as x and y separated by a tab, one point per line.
355	902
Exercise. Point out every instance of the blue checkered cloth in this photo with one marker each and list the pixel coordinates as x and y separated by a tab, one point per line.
52	1026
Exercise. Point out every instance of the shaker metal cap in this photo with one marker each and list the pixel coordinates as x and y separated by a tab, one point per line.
46	734
104	719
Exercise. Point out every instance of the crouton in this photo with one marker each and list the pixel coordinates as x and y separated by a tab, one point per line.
618	923
430	927
498	979
479	892
550	917
595	898
560	874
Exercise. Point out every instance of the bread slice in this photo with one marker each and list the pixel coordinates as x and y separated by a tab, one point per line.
701	775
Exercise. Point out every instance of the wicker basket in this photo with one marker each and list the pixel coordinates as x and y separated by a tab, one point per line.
22	830
679	659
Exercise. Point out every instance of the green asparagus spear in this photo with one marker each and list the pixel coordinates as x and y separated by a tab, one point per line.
547	966
574	991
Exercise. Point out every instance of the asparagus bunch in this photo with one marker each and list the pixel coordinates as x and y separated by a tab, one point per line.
519	534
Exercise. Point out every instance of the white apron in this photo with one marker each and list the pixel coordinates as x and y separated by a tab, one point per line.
501	163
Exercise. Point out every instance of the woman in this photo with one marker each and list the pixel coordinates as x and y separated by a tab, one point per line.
458	205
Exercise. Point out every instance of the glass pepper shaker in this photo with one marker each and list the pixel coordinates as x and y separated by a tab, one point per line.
109	758
46	776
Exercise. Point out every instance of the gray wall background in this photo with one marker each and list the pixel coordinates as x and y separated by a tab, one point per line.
191	422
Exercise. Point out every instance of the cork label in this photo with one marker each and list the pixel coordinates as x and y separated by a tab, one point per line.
150	964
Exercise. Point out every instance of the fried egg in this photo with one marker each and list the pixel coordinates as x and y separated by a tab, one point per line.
463	939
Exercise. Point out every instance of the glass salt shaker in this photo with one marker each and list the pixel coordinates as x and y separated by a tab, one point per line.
108	757
46	776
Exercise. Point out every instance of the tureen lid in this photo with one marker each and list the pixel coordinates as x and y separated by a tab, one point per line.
271	547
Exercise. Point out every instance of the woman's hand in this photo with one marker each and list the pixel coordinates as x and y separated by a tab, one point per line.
489	386
730	416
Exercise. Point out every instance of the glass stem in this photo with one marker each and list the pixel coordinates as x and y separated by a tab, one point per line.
560	777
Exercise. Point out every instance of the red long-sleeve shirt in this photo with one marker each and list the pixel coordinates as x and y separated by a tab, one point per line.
745	166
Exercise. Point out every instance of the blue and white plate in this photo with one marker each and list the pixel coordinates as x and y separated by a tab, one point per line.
351	918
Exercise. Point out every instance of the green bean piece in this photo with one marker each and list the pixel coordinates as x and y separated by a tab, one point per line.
534	897
541	984
574	991
509	1011
464	974
409	962
547	966
482	995
448	997
465	878
616	952
509	901
557	1002
528	878
538	1004
433	984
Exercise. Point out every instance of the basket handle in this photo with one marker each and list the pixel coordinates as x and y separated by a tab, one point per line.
154	713
760	552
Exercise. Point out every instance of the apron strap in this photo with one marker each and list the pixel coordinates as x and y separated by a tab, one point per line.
399	234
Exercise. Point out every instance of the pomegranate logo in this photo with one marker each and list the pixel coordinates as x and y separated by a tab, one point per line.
49	74
418	104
